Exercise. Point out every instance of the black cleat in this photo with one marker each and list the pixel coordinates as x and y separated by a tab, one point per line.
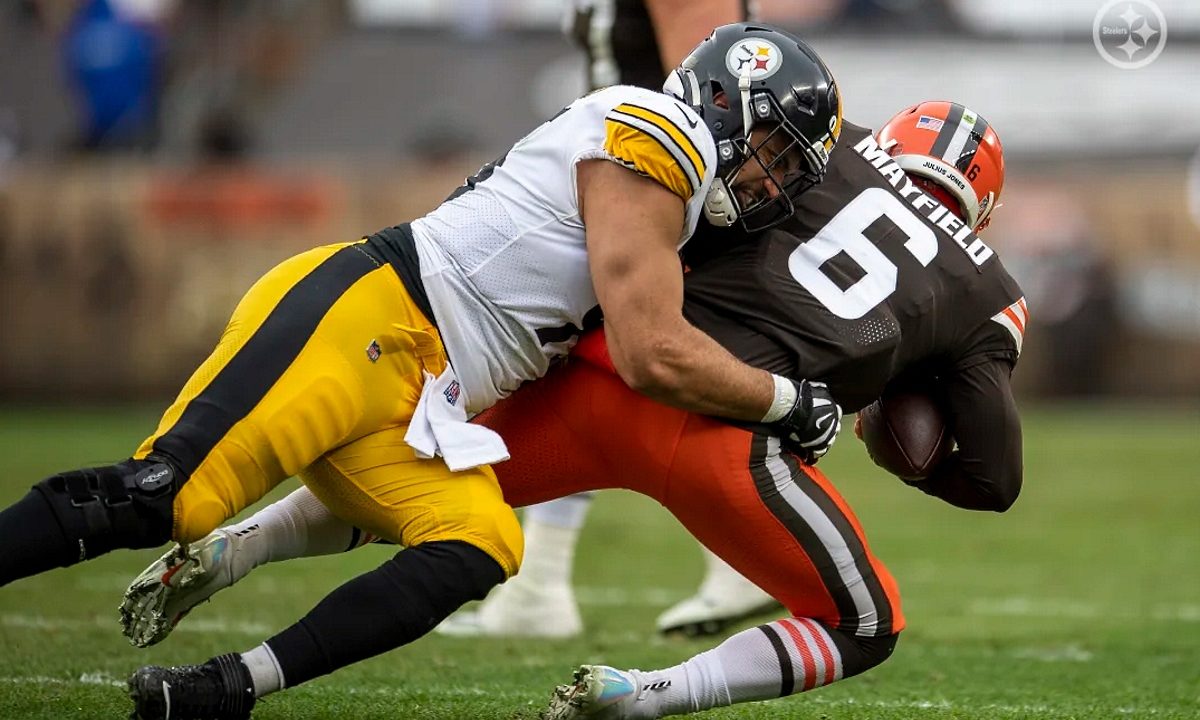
220	689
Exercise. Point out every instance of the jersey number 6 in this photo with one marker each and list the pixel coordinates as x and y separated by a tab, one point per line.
846	232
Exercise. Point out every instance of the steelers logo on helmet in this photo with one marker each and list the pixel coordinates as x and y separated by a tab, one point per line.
762	57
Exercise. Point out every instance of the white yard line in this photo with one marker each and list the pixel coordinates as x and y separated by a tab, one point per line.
190	625
1040	711
1071	653
96	678
1025	606
603	596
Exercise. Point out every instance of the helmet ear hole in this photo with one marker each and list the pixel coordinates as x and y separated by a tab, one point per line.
719	98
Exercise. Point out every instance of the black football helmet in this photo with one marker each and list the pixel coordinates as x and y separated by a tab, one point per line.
746	77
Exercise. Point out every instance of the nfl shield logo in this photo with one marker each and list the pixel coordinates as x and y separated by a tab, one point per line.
452	392
373	351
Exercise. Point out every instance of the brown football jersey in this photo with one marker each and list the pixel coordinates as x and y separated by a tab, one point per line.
871	279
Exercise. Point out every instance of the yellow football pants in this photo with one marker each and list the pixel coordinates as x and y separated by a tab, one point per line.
318	374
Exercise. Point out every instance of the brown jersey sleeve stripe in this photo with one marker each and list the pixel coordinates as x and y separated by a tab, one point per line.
255	367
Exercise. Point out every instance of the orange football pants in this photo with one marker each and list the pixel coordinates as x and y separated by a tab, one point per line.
777	521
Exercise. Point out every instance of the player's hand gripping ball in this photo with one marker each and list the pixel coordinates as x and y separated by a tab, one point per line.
905	432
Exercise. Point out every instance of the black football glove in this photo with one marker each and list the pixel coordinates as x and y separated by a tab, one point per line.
811	426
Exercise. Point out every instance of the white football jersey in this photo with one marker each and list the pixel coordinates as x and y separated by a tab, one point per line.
504	260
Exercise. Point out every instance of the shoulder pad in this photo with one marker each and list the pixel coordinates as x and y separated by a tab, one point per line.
659	137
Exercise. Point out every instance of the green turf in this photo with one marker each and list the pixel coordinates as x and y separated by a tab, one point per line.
1081	602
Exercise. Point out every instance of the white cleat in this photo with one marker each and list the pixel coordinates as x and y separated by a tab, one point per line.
724	598
600	692
519	608
171	586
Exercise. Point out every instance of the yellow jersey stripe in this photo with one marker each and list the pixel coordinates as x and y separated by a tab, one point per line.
664	143
673	131
647	155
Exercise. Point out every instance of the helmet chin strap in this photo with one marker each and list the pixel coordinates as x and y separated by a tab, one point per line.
744	92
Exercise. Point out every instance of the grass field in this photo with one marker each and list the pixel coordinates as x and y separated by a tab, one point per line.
1081	602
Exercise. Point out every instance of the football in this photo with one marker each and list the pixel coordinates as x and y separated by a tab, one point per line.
905	432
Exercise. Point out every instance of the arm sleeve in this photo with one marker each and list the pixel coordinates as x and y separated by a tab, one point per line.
984	473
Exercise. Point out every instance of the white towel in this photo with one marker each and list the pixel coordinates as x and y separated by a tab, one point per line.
439	427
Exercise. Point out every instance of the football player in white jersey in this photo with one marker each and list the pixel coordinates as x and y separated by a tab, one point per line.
626	42
356	365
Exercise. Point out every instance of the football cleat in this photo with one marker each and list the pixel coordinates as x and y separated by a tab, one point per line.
220	689
180	580
724	598
601	692
519	608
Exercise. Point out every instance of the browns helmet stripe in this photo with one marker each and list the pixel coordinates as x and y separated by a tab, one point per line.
962	135
968	152
946	134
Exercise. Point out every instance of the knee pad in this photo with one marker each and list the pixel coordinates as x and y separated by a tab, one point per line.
126	505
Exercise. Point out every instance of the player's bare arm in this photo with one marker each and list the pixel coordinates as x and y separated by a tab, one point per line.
639	283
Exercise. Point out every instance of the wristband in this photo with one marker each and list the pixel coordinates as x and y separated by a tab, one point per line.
784	401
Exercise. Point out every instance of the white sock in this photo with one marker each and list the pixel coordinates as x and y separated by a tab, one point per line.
294	527
568	512
744	668
693	685
265	672
551	533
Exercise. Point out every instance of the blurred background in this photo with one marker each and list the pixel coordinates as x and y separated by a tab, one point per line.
156	156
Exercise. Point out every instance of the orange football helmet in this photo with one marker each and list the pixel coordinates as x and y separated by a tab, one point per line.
955	148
